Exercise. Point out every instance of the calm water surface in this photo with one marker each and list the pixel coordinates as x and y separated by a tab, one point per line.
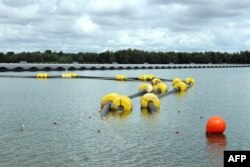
136	139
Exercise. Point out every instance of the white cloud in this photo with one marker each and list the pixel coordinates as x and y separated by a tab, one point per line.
84	25
96	25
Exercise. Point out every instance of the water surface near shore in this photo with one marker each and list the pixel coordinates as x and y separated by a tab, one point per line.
137	139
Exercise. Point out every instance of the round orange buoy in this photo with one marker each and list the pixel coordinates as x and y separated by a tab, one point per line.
215	125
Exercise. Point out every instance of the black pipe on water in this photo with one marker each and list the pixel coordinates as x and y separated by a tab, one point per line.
79	77
138	94
151	107
105	110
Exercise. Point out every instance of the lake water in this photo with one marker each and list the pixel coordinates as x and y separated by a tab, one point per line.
137	139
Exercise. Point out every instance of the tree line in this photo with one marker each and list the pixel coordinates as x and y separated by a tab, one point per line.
129	56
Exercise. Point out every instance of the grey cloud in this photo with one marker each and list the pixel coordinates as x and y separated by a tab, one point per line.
76	7
21	3
98	25
179	2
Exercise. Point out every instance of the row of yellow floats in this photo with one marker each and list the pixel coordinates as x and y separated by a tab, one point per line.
122	103
149	99
64	75
141	77
117	77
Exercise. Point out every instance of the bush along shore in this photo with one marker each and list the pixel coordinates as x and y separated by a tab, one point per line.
128	56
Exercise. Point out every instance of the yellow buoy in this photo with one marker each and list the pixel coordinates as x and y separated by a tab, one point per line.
121	104
161	87
190	81
145	86
42	75
150	97
143	77
156	81
176	80
146	77
69	75
108	98
121	77
140	77
180	86
150	77
74	75
66	75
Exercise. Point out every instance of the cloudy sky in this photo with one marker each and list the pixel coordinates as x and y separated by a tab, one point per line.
99	25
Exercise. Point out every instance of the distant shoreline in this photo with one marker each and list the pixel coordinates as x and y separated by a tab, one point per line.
74	67
129	56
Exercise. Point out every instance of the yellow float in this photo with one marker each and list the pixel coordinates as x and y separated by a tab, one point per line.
180	86
161	88
190	81
176	80
121	104
146	77
150	97
145	86
69	75
108	98
42	75
156	81
121	77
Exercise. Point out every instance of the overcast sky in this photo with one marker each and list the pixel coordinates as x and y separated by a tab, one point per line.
99	25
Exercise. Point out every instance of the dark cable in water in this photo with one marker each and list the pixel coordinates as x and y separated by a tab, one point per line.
107	107
105	110
152	108
138	94
16	76
79	77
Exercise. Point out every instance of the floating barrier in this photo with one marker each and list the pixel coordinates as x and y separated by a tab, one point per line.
115	102
120	104
151	93
178	87
75	75
215	125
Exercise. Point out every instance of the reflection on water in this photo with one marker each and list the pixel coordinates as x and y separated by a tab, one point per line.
216	144
181	94
123	115
146	113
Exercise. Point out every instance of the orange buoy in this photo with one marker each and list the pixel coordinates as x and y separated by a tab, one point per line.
215	125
